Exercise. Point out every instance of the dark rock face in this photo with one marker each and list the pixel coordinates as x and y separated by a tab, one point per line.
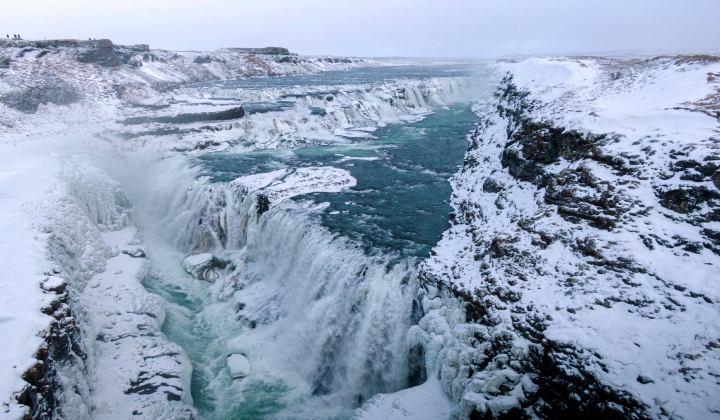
263	204
689	199
557	390
266	50
417	372
28	100
63	345
202	59
542	144
579	196
100	52
229	114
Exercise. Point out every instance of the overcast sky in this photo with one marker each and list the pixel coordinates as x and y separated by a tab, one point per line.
419	28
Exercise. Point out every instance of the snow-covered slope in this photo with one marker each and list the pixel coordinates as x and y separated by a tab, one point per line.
581	275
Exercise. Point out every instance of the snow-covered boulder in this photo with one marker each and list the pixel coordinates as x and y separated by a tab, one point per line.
238	365
204	266
54	284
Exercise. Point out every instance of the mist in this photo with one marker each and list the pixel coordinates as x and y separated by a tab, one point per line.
374	28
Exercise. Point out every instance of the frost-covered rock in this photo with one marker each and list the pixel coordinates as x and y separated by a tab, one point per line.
204	266
238	365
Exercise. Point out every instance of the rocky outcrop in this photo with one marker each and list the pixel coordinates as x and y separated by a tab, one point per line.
63	346
204	266
228	114
29	99
266	50
238	365
99	52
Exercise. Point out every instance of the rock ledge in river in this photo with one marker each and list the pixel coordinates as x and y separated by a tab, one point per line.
204	266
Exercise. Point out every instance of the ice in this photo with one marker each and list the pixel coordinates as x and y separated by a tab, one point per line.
309	180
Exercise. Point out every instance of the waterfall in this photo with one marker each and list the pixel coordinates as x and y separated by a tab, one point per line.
317	317
321	320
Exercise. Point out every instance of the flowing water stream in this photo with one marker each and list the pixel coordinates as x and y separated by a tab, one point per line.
320	293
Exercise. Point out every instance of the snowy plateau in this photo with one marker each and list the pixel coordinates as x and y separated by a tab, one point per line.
579	278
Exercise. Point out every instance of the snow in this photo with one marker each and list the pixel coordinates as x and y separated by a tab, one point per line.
53	283
310	180
423	402
65	221
132	355
24	175
67	229
259	181
238	365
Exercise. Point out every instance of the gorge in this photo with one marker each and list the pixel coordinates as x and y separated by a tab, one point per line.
358	238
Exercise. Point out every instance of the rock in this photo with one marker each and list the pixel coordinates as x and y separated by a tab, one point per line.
266	50
28	99
686	199
135	252
716	180
644	379
228	114
263	204
54	284
492	186
203	266
100	52
239	365
202	59
417	372
135	62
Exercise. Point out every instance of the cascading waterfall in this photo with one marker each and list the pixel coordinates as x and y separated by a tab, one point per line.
315	315
322	321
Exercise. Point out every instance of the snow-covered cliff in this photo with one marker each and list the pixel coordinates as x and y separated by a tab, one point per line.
580	276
